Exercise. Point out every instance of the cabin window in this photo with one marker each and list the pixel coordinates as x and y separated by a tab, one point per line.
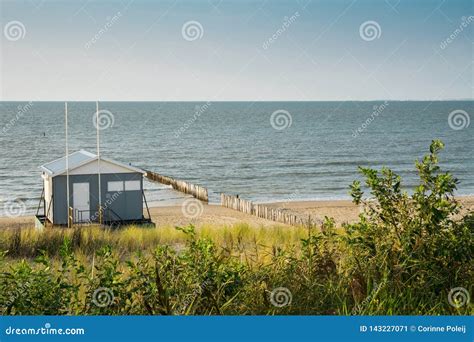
114	186
132	185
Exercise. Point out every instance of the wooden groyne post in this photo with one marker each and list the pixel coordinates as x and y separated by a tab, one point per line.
260	210
196	191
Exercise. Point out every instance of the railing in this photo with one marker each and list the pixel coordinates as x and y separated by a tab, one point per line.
41	200
146	204
101	216
117	218
78	216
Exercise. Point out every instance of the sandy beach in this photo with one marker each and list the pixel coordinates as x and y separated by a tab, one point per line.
341	210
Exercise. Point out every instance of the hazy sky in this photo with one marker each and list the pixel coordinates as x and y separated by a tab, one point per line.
141	50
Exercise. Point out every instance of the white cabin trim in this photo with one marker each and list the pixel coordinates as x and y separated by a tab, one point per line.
87	165
106	166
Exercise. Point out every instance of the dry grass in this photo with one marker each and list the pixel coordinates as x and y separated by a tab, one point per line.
29	242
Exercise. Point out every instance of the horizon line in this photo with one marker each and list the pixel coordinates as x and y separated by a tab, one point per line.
205	100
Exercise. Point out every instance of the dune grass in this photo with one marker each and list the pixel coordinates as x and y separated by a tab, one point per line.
407	255
87	240
228	270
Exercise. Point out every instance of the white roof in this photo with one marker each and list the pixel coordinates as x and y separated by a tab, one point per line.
78	159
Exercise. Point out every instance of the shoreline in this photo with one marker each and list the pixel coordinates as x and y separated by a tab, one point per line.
343	211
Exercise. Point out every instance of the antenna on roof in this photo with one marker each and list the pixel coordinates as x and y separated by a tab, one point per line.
67	166
98	159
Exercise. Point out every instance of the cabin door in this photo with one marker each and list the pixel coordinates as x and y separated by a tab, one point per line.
80	195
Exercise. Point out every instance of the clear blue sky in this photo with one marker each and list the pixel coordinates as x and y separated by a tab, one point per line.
320	55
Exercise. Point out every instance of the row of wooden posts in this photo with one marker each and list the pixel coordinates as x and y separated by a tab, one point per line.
260	210
196	191
228	201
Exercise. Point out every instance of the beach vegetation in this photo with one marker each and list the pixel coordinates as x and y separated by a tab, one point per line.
404	256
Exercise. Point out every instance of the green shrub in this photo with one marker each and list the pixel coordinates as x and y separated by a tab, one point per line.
403	256
411	243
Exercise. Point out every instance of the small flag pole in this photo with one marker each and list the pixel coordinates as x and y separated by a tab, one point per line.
67	168
98	160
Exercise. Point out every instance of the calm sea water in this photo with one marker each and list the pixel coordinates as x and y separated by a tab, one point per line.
233	147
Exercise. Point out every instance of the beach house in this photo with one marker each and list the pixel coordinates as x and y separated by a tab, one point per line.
121	199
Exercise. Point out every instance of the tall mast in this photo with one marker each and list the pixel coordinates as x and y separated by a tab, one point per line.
98	160
67	164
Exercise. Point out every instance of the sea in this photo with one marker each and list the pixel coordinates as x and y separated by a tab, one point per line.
262	151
